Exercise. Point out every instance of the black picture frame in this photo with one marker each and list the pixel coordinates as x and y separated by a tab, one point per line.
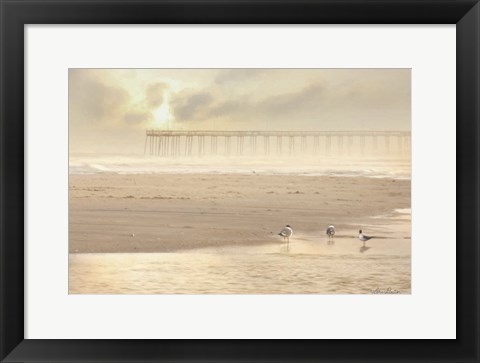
15	14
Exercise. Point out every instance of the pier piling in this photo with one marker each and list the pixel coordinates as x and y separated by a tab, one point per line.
176	143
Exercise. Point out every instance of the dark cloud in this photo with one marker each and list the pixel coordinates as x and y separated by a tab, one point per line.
92	100
228	108
137	117
200	106
349	104
191	106
154	94
309	98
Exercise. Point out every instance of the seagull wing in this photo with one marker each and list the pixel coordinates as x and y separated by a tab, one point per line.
286	232
363	237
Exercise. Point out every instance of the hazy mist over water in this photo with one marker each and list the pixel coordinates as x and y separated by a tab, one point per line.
395	167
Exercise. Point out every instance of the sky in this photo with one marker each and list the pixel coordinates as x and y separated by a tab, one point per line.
110	109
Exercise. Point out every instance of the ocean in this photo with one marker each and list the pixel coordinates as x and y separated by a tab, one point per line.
395	168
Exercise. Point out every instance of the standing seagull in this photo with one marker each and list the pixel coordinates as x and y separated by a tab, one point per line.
286	232
363	238
330	232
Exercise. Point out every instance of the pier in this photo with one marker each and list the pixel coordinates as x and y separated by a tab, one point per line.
176	143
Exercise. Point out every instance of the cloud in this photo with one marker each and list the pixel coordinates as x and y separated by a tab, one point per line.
154	94
307	99
191	106
91	100
137	117
196	106
94	100
200	106
346	103
228	108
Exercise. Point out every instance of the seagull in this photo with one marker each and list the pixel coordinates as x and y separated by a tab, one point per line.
286	232
363	237
330	231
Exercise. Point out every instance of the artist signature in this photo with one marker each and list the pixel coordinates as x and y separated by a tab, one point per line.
385	291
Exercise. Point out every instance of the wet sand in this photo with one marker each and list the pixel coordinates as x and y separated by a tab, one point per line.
311	265
173	212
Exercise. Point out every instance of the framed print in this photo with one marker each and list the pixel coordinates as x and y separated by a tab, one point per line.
239	181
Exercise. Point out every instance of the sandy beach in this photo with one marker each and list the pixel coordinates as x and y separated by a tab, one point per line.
170	212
